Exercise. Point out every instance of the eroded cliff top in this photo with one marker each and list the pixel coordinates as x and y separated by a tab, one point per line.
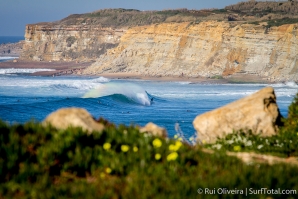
243	12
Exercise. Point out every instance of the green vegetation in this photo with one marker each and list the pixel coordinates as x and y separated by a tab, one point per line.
42	162
279	22
216	77
120	162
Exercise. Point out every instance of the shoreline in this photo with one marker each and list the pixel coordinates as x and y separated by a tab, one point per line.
74	68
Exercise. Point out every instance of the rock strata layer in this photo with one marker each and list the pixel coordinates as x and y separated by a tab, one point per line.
206	49
257	112
47	42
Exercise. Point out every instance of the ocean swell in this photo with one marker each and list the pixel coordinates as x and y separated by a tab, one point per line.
129	90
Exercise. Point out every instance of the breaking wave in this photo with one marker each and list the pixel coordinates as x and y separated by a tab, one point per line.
131	91
22	70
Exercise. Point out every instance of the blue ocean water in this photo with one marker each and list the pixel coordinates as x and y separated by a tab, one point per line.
10	39
24	97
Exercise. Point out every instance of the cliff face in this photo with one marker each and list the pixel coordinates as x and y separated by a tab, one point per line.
205	49
46	42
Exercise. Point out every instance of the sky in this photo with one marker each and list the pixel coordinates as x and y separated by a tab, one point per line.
15	14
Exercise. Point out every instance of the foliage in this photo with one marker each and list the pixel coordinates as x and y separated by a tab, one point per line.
279	22
284	144
120	162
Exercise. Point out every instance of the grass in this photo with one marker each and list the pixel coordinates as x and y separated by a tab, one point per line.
42	162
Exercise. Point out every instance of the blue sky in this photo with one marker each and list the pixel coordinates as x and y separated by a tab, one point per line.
15	14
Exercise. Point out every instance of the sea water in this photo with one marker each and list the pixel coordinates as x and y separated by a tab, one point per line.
136	102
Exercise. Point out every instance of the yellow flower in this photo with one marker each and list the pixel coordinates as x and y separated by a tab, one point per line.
102	175
124	148
106	146
237	148
157	143
176	146
108	170
135	149
172	156
157	156
175	136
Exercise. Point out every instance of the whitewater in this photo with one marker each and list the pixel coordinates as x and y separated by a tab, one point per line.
24	97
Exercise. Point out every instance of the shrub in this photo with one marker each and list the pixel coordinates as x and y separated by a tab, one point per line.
120	162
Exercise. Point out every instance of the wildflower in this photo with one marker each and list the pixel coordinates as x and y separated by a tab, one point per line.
217	146
249	143
176	146
106	146
102	175
176	136
135	149
108	170
124	148
237	148
172	156
157	143
157	156
260	146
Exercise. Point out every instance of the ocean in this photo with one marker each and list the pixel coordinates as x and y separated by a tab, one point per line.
10	39
136	102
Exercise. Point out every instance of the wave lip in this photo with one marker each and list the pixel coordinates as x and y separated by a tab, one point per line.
22	70
129	90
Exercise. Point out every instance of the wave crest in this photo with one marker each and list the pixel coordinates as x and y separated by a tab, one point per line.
129	90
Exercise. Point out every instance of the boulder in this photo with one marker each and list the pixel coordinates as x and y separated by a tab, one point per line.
155	130
257	112
76	117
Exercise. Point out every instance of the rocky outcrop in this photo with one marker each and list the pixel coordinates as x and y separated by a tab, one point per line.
75	117
48	42
257	112
11	49
155	130
206	49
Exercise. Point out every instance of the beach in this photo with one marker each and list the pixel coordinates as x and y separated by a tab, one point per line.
76	68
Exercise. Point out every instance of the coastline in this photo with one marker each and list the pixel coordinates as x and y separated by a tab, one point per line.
74	68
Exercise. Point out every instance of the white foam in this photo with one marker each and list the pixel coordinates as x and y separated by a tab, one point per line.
22	70
7	58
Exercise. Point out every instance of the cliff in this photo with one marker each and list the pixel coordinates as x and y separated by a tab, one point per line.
47	42
246	38
205	49
84	37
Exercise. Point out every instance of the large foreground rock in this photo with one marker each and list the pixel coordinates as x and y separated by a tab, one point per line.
76	117
257	112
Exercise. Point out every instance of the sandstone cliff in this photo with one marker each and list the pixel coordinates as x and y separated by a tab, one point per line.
47	42
204	49
174	42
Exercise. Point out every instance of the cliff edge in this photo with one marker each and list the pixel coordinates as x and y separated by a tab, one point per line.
248	38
